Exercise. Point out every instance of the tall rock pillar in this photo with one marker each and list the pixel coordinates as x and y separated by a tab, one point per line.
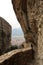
35	15
30	16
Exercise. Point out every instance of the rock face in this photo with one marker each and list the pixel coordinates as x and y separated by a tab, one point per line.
24	57
30	16
26	12
5	35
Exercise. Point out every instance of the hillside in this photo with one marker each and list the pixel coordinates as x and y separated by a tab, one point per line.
17	32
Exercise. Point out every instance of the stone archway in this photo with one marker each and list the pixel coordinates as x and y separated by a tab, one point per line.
24	10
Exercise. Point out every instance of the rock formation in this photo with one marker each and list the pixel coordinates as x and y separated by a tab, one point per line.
30	16
26	12
17	57
5	35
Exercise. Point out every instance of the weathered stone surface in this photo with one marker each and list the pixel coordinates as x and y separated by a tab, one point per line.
24	10
5	35
30	16
17	57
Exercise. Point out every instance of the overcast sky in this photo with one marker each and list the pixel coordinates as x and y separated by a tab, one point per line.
6	11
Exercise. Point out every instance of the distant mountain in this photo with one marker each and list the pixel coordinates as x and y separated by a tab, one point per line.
17	32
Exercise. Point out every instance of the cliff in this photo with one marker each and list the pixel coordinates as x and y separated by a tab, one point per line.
5	35
17	57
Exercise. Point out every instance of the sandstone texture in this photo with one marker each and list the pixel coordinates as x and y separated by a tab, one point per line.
30	16
26	12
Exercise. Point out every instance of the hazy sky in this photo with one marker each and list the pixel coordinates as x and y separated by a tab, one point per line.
6	11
